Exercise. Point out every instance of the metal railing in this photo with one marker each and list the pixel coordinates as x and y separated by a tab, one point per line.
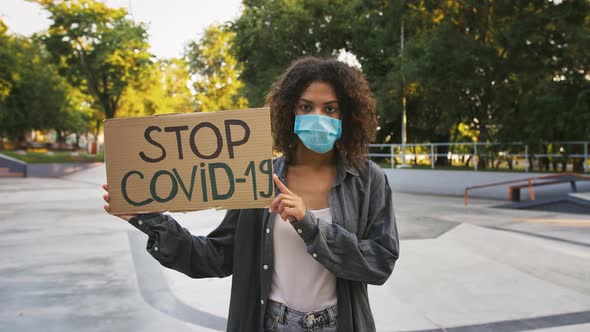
530	183
470	153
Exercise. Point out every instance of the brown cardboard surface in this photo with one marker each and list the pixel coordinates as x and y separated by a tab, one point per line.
188	162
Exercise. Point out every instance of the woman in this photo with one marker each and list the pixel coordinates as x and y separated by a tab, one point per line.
304	263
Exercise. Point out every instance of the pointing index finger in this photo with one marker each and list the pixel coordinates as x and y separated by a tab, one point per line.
280	185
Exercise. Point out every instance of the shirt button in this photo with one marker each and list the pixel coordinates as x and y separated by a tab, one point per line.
299	230
314	255
267	230
265	267
140	222
261	301
155	248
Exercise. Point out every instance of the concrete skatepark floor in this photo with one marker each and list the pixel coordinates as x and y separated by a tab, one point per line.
68	266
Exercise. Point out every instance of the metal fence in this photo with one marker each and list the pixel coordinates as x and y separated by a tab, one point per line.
514	156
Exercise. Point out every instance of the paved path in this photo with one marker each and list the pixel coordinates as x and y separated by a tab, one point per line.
67	266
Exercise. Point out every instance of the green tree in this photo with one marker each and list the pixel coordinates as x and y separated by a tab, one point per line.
549	62
375	40
271	34
6	61
482	70
215	71
38	98
77	114
549	67
178	96
163	89
99	49
506	70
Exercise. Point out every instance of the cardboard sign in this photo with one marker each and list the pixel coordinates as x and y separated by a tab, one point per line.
188	162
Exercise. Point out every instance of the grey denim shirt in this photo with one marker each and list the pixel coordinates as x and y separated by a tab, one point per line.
360	247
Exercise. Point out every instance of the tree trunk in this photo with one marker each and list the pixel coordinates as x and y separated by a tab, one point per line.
442	161
59	136
544	161
109	106
482	162
21	141
578	165
468	160
442	149
97	125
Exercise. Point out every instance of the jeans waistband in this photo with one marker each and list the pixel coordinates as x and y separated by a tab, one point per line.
324	317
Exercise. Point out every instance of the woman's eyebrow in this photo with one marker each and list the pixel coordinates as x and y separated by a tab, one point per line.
311	102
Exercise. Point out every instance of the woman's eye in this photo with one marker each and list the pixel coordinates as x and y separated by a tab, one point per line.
305	108
330	109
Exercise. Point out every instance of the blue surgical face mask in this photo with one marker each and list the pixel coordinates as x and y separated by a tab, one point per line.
318	132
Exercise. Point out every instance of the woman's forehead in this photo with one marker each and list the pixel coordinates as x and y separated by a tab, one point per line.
319	91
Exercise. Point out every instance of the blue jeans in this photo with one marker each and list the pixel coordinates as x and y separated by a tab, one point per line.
280	318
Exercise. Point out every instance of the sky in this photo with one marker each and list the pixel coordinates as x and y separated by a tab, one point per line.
171	23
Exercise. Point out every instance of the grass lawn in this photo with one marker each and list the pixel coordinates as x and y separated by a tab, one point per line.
55	157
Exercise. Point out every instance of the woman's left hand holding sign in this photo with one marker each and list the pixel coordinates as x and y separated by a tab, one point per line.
107	207
288	205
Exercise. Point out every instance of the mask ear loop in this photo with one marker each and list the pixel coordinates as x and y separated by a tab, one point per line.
293	138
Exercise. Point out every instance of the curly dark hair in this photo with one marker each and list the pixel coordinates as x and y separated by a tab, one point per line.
357	105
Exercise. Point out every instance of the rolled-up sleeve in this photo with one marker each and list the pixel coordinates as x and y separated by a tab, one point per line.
196	256
370	259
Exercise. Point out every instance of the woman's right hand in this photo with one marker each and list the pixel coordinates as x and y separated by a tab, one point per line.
107	207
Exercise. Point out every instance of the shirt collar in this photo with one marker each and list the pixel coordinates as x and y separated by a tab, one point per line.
345	165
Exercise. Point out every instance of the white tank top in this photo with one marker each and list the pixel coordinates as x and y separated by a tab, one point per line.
298	280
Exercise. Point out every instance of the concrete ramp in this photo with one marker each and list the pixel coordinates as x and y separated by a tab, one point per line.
474	278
